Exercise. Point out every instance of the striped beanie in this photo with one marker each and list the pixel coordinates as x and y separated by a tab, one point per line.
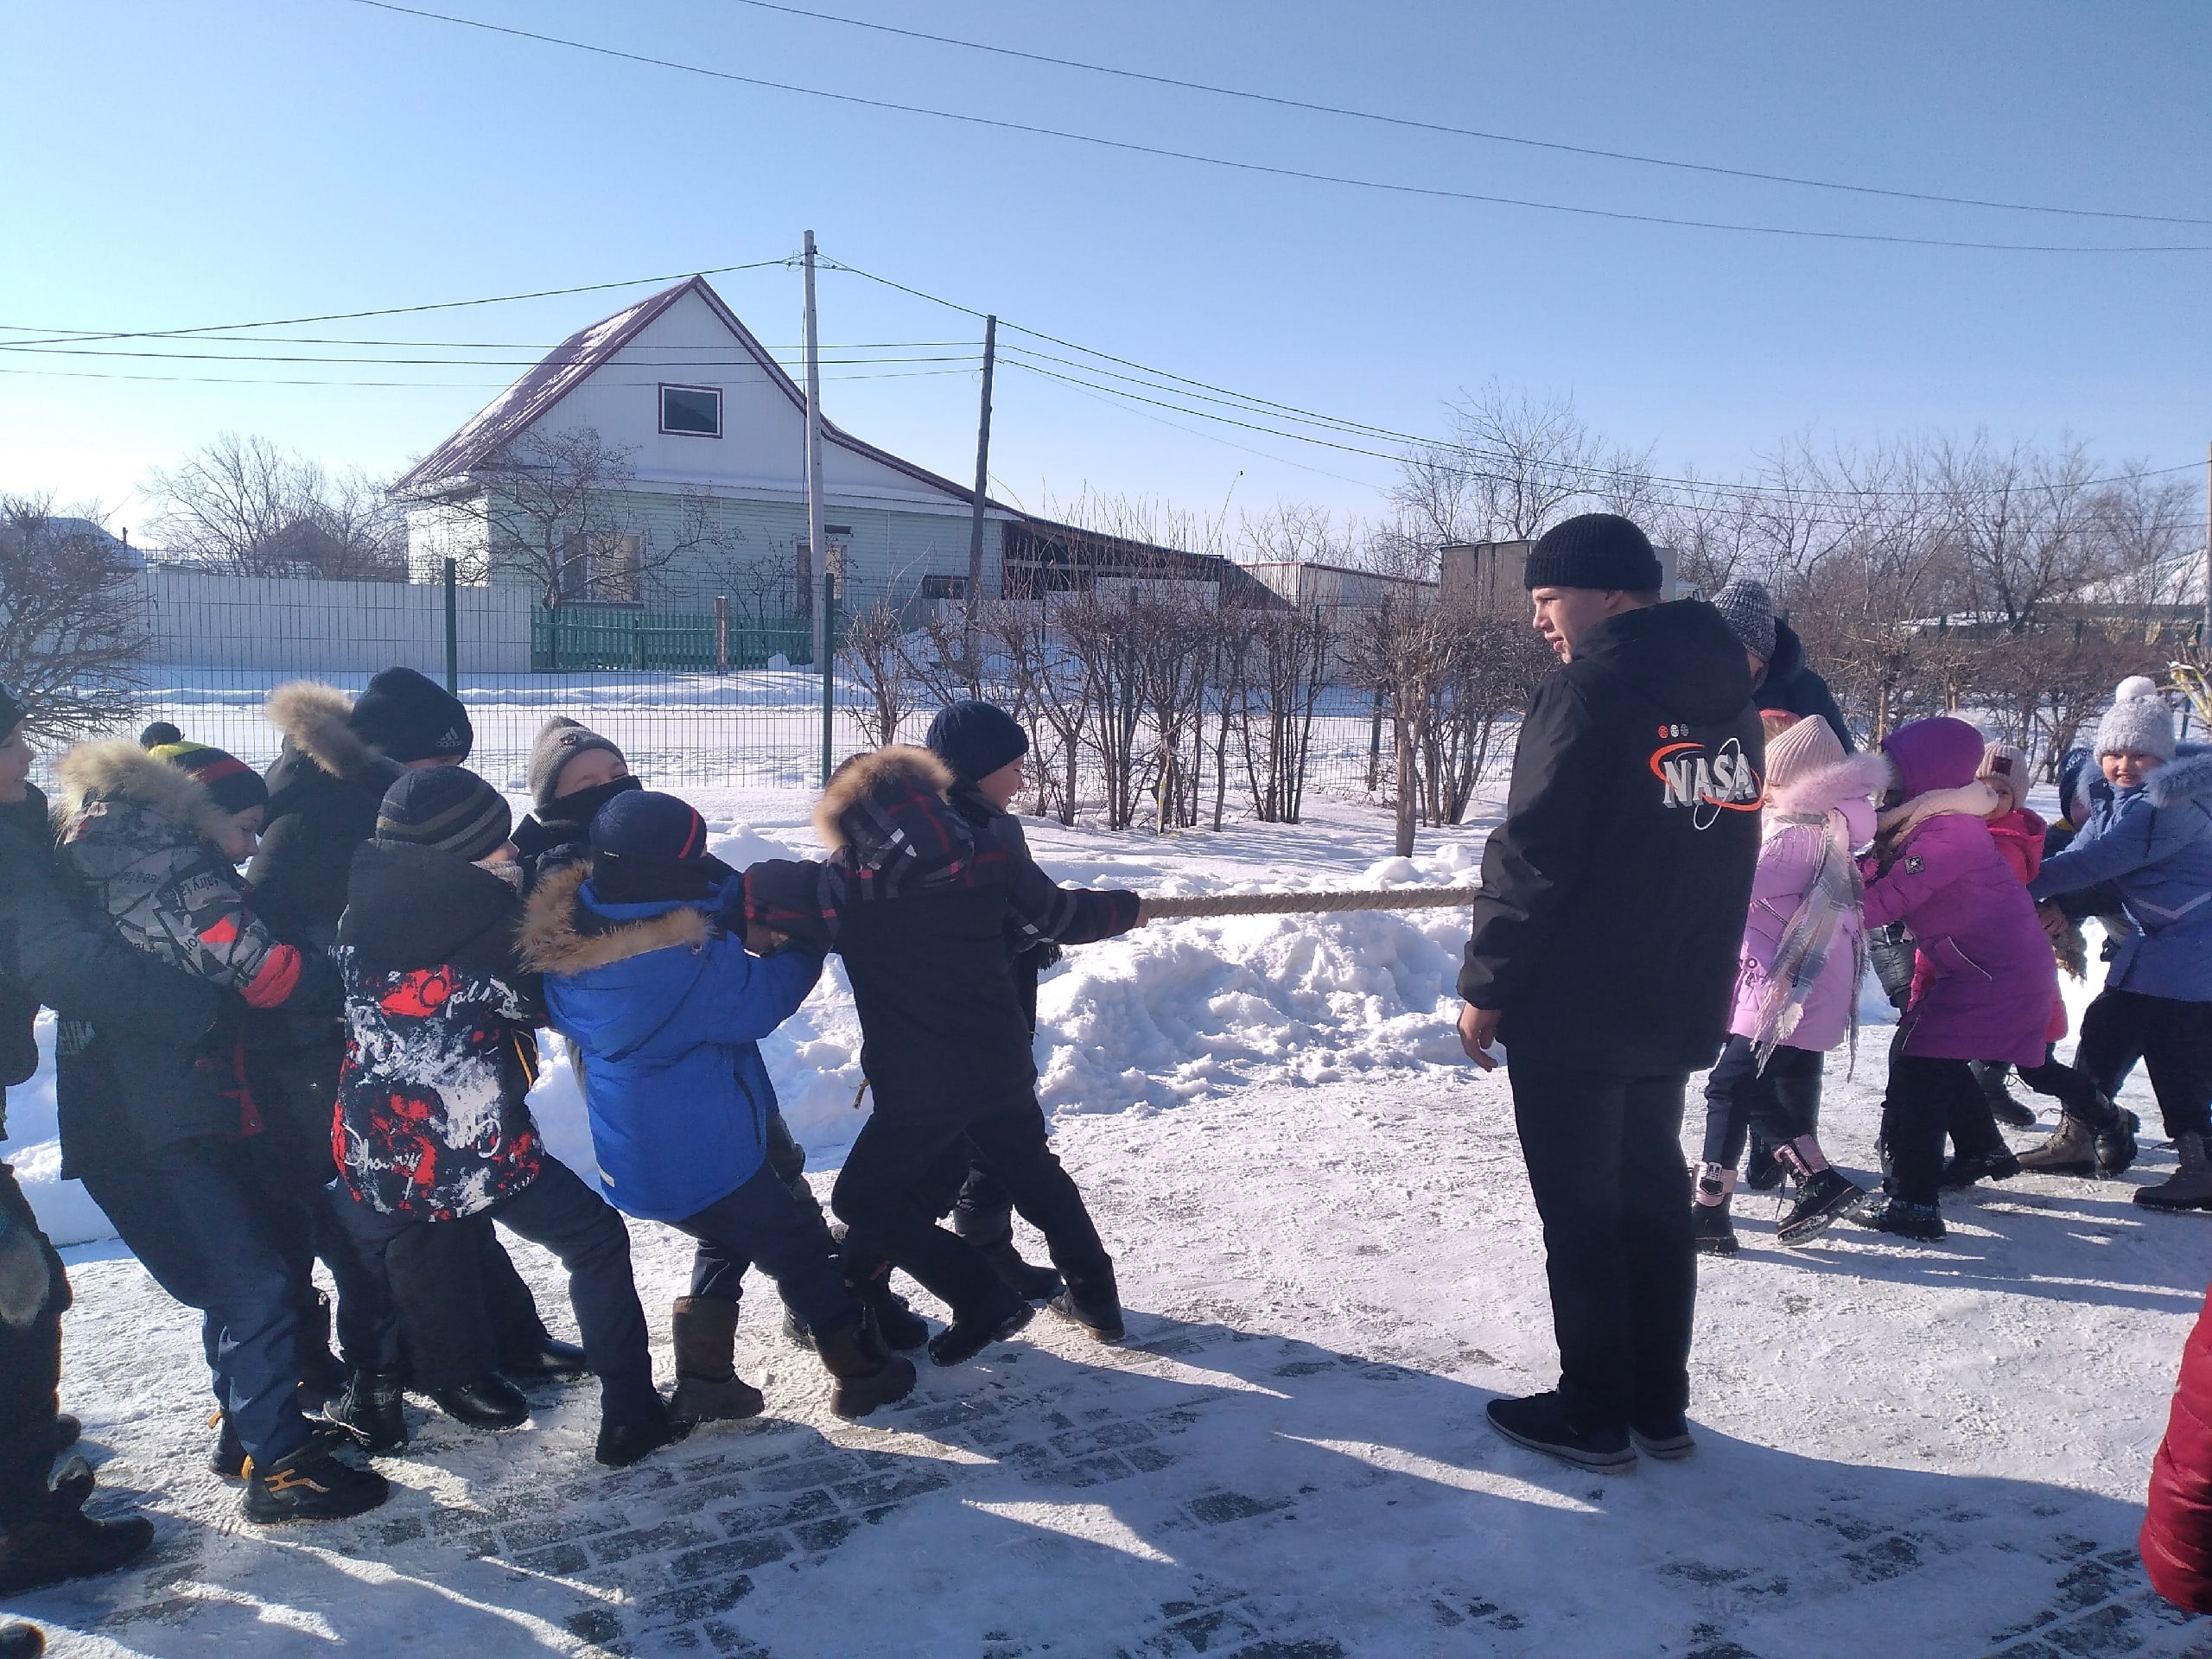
446	807
232	785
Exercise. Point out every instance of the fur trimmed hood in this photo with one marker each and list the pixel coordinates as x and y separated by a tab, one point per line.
116	768
1857	777
1973	800
562	937
2188	778
317	718
881	774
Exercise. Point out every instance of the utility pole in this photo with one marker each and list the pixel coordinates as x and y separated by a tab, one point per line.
818	554
974	594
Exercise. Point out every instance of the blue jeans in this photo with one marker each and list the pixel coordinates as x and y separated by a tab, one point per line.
764	1221
560	1212
192	1214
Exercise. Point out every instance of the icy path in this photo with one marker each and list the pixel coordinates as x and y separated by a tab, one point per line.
1933	1451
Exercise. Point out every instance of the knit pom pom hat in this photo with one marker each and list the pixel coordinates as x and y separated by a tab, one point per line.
230	783
2005	767
2139	722
1809	747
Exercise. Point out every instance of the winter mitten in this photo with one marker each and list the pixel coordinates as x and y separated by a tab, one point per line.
26	1282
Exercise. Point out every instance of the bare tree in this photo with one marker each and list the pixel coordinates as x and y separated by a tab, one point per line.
240	505
1512	466
873	651
554	509
72	618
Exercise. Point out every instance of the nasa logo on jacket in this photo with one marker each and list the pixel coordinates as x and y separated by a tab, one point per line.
1706	781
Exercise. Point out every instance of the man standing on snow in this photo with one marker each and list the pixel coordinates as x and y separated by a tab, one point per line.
1603	955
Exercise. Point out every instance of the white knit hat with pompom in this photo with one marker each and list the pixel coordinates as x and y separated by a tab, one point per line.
2139	722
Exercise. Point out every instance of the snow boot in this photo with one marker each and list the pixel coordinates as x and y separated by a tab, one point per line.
1893	1215
2189	1187
1666	1438
323	1375
868	1375
1762	1170
59	1541
1990	1079
491	1402
621	1443
1093	1301
997	1317
228	1458
319	1482
708	1387
1026	1281
1822	1196
550	1361
1541	1423
2071	1149
1710	1228
900	1327
68	1431
2116	1141
20	1641
370	1407
1963	1170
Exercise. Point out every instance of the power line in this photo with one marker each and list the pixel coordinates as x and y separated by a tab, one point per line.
1268	408
400	311
1417	125
1131	147
405	385
452	362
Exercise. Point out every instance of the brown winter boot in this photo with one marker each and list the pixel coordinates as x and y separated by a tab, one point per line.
708	1387
867	1376
2189	1187
2071	1150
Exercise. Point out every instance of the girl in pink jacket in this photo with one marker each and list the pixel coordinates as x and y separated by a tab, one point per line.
1796	981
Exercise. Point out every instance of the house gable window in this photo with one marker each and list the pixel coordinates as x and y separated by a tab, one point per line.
691	411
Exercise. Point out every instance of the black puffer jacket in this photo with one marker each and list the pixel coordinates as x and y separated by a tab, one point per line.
1789	684
1614	893
53	953
324	790
918	902
1030	956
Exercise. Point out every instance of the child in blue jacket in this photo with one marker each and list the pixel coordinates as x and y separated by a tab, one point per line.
2150	842
665	1006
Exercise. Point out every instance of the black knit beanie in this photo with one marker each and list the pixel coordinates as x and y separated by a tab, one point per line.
1593	549
13	711
975	739
412	718
648	848
159	733
446	807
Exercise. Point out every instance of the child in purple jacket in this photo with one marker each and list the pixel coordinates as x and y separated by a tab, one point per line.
1984	981
1796	981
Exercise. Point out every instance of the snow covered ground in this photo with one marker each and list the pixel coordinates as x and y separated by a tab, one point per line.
1332	1260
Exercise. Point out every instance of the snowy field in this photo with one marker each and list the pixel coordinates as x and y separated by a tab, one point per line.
1332	1262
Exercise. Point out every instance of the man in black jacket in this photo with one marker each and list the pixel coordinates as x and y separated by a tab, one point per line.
1603	958
51	953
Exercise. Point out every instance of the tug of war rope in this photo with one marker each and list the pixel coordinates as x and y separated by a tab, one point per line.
1282	904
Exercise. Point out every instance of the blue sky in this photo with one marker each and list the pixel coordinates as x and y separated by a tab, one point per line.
243	159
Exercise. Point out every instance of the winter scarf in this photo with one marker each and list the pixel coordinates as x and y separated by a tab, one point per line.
1833	897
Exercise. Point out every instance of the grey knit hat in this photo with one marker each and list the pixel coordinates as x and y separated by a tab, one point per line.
2139	723
1746	608
446	807
559	741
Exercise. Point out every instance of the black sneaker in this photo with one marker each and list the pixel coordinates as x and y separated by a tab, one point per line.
1825	1195
321	1481
1711	1230
491	1402
1922	1221
1763	1171
1666	1438
999	1317
550	1361
2000	1164
369	1406
1541	1423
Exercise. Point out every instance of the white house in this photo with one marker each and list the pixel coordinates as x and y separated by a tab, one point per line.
713	433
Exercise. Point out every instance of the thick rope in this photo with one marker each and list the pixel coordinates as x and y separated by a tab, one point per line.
1284	903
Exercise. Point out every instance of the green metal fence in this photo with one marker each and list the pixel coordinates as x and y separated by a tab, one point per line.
580	637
